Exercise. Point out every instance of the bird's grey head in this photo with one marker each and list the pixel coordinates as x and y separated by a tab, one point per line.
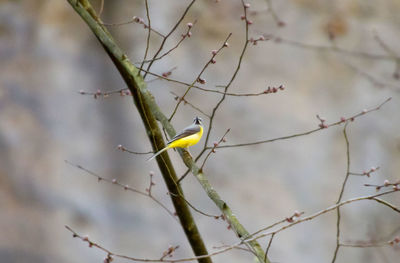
198	121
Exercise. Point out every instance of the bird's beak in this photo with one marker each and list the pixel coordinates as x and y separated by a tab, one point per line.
197	120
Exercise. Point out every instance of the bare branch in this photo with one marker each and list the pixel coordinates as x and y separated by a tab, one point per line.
167	36
194	208
148	34
269	245
360	244
366	173
290	219
188	34
101	8
335	49
342	120
387	204
214	111
341	192
317	214
177	97
266	91
169	252
112	254
136	20
386	183
213	149
209	153
198	78
383	45
122	148
375	82
124	186
274	15
106	94
227	248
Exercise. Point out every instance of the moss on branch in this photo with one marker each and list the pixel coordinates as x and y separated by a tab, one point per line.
150	113
137	86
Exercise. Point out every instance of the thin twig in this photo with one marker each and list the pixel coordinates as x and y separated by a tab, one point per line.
167	36
387	204
383	45
122	148
238	248
183	176
377	83
226	248
366	173
148	34
177	97
290	219
213	149
169	251
101	8
391	56
333	49
269	245
364	245
198	78
386	184
145	104
131	21
194	208
319	213
307	132
205	89
183	37
106	94
164	75
124	186
338	215
246	42
208	155
108	252
274	15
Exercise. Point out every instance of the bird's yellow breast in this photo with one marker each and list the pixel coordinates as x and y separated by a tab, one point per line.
187	141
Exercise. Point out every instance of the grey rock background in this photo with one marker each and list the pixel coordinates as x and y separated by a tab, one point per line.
47	55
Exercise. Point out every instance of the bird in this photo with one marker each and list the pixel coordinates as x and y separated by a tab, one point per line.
187	137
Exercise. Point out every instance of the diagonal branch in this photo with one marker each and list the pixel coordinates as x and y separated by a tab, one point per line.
167	36
319	213
383	202
338	214
135	259
150	112
352	53
141	97
237	245
343	120
148	33
124	186
137	20
198	78
239	63
158	76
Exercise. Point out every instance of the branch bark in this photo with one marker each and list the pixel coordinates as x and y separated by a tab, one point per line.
137	86
150	113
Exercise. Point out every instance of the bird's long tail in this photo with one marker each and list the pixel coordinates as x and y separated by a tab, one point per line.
158	153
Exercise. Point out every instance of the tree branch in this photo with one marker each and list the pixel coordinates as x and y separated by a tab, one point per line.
325	126
338	214
141	97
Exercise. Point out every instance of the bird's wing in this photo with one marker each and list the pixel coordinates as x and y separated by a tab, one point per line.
192	129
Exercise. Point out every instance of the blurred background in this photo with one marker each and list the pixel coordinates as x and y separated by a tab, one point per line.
47	55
